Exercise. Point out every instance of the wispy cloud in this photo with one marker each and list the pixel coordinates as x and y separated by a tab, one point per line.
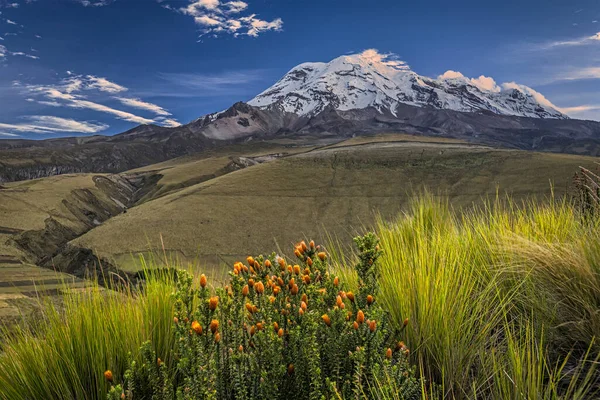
45	124
211	84
142	105
70	93
98	3
580	41
216	18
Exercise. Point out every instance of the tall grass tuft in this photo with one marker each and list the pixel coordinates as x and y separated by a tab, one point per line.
66	351
502	300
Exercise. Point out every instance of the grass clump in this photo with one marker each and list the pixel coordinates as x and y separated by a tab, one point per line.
279	331
62	355
503	299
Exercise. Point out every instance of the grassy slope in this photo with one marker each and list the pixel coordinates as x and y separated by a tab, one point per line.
25	206
244	211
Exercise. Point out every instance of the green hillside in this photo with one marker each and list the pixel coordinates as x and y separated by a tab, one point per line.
341	187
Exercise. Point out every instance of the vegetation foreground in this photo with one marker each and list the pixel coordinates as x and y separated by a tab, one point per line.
500	302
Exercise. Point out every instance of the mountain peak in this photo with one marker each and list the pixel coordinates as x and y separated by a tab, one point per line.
382	81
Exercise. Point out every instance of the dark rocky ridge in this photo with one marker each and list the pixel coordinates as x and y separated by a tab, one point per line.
148	144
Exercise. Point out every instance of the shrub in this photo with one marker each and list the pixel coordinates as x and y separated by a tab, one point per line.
279	331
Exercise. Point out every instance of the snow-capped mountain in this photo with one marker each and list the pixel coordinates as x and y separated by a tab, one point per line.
373	80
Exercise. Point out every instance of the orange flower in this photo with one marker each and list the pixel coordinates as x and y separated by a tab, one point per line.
388	353
260	287
254	309
250	260
252	271
322	256
251	282
303	246
372	326
203	281
360	317
300	312
350	296
241	348
290	369
370	299
405	322
290	269
272	299
297	269
214	325
336	281
291	282
245	290
256	265
213	303
339	301
268	263
297	253
281	263
306	271
400	345
294	290
217	337
276	290
196	327
275	326
249	307
108	375
303	306
355	325
259	326
176	320
304	298
306	279
244	268
326	319
309	261
312	244
159	362
280	332
280	281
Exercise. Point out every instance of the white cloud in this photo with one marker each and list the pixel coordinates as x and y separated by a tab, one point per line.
485	83
580	109
142	105
68	93
580	73
582	41
3	51
8	21
387	59
20	53
104	85
99	3
51	124
217	17
450	74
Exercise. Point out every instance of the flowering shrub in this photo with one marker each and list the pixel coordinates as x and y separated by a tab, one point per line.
279	330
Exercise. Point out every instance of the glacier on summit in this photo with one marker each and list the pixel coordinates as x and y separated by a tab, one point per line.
371	79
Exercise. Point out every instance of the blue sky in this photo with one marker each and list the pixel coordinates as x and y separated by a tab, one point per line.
77	67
